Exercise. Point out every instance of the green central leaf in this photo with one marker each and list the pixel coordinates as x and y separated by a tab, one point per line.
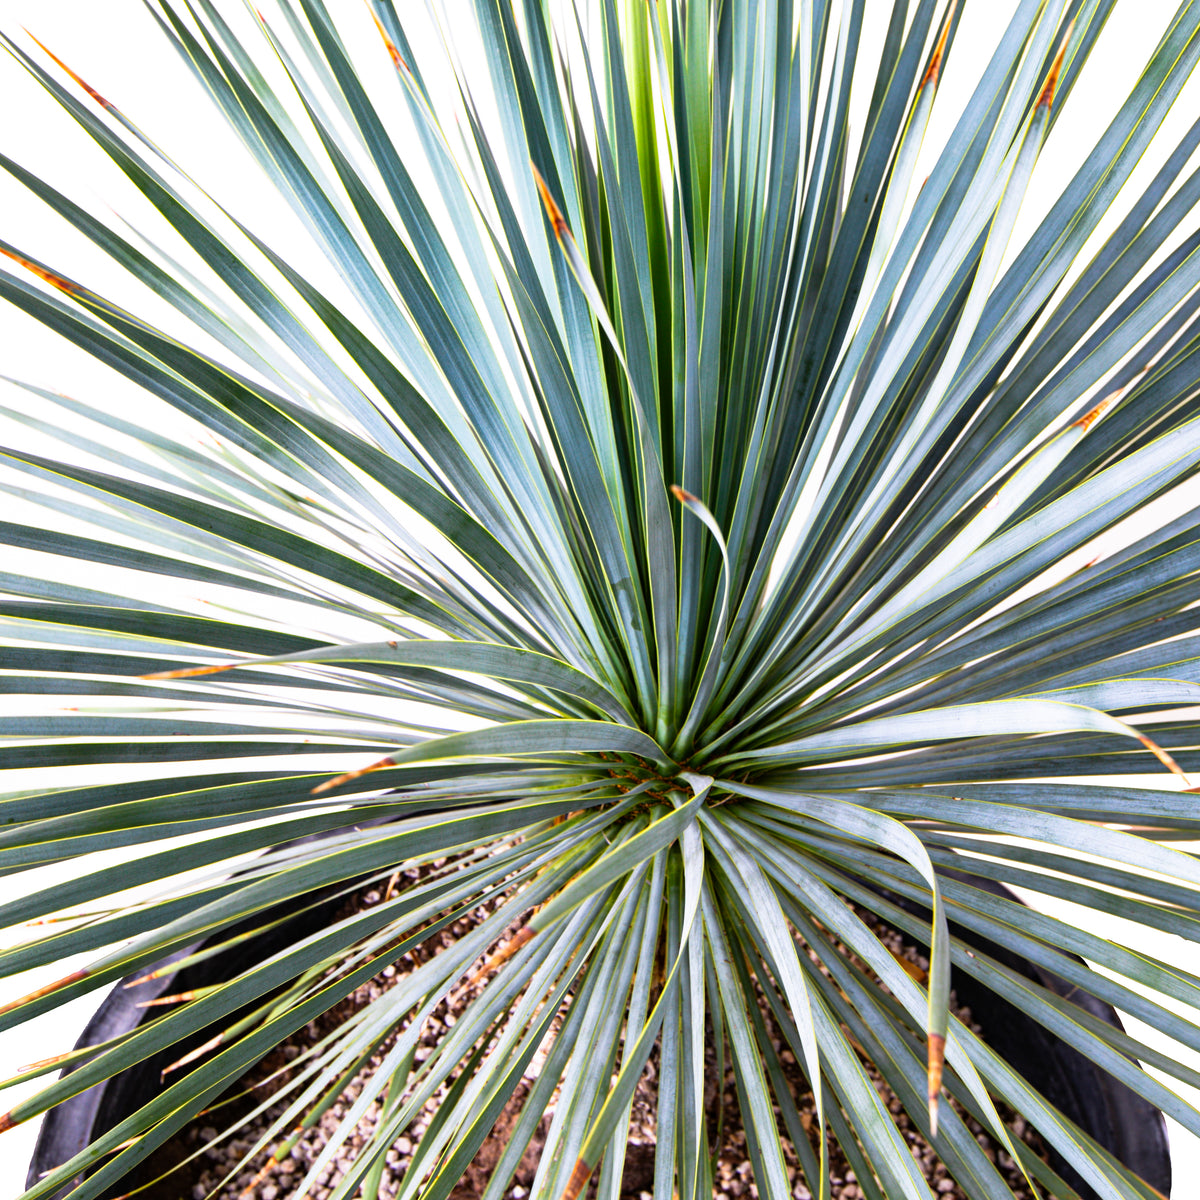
649	494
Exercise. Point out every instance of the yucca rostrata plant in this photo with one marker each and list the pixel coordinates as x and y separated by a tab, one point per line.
685	462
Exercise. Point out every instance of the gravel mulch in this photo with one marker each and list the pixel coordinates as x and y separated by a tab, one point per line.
201	1178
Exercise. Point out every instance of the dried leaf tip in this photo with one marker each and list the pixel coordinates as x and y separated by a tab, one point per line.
502	955
49	277
682	496
177	998
349	775
936	1059
38	993
156	974
1090	417
552	210
1163	757
1047	95
42	1063
91	91
578	1181
187	672
7	1122
191	1056
935	61
251	1189
914	970
397	60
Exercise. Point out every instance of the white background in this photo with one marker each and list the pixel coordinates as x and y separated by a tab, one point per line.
114	45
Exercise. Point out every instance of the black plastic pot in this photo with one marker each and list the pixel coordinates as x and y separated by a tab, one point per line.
1128	1126
1124	1123
69	1127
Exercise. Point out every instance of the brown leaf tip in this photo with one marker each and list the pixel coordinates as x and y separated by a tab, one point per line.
682	496
500	957
49	277
913	970
91	91
41	1063
177	998
1093	415
38	993
552	210
523	935
349	775
1047	95
188	672
578	1181
935	61
7	1122
252	1187
1163	757
191	1056
147	977
397	60
936	1058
